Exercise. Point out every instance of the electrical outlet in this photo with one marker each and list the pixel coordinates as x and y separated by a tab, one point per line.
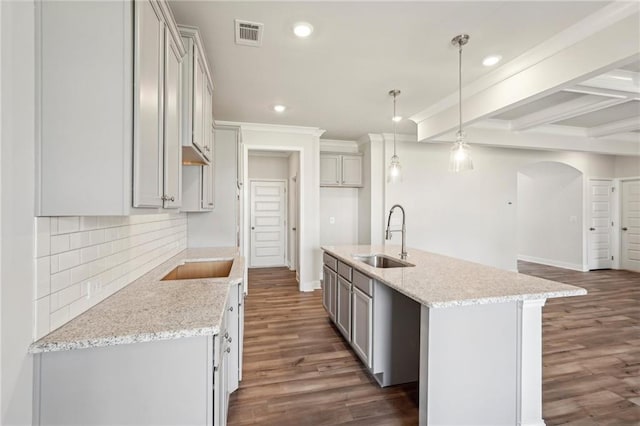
332	220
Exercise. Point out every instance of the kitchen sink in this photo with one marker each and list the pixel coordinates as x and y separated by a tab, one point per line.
382	261
195	270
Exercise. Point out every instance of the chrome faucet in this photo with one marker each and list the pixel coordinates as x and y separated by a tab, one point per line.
403	254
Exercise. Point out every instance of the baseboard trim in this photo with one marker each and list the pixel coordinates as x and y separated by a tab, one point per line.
551	262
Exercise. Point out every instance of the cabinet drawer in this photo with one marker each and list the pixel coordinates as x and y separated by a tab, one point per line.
330	261
363	282
344	271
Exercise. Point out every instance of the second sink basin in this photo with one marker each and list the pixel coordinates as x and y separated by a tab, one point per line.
382	261
194	270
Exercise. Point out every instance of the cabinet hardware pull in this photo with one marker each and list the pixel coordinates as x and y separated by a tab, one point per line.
226	335
172	198
625	228
228	350
592	229
231	308
230	339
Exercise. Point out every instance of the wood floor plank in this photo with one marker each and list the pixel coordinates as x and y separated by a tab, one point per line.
299	371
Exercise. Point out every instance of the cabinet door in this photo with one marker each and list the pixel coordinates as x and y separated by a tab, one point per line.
208	122
343	308
207	187
362	325
233	338
330	170
199	87
172	121
351	170
148	105
327	290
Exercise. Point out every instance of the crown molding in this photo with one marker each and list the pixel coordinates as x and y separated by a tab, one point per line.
276	128
400	137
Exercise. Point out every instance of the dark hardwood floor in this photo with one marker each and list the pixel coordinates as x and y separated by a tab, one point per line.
299	371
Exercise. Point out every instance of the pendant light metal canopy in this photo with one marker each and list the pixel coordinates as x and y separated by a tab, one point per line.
460	157
394	173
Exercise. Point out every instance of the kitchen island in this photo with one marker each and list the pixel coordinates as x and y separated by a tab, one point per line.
166	349
479	356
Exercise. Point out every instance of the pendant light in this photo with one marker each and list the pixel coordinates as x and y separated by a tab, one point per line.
394	173
460	157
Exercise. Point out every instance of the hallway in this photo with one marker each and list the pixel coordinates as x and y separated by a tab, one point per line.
299	371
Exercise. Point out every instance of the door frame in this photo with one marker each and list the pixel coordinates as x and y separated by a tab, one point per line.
617	231
286	219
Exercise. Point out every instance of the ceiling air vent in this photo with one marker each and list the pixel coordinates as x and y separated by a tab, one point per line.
249	33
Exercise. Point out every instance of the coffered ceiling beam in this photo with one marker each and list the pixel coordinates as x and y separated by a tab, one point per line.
565	110
590	90
604	50
621	126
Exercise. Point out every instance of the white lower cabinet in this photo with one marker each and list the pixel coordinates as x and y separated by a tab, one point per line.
343	307
362	327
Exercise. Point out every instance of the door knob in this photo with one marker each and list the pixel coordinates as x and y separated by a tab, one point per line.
592	229
625	228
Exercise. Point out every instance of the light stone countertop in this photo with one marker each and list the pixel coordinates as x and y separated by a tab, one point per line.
439	281
150	309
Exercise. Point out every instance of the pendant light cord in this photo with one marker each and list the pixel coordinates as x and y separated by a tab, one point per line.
460	87
394	124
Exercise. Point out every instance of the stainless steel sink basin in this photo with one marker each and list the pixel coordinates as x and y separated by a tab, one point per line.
195	270
382	261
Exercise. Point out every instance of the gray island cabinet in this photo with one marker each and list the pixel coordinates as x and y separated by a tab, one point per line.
158	352
470	334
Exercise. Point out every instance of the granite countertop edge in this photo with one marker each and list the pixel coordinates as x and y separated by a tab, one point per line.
371	271
55	340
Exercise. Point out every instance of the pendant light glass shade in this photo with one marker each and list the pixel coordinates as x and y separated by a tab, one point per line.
460	157
394	172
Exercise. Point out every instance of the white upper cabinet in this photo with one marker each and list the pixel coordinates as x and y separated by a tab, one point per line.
148	105
172	124
341	169
197	90
106	108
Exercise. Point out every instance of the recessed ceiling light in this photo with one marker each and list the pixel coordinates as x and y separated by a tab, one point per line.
279	108
397	118
303	29
491	60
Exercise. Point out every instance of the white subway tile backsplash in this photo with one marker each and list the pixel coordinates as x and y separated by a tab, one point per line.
59	317
82	260
79	240
60	280
68	259
88	223
59	243
68	224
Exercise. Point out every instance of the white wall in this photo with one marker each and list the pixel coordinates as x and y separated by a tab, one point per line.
468	215
550	215
371	196
218	228
268	167
627	167
306	141
16	226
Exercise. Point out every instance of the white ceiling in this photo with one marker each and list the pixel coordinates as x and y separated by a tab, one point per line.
338	79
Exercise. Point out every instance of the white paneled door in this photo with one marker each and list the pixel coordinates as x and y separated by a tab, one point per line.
630	238
268	220
600	224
